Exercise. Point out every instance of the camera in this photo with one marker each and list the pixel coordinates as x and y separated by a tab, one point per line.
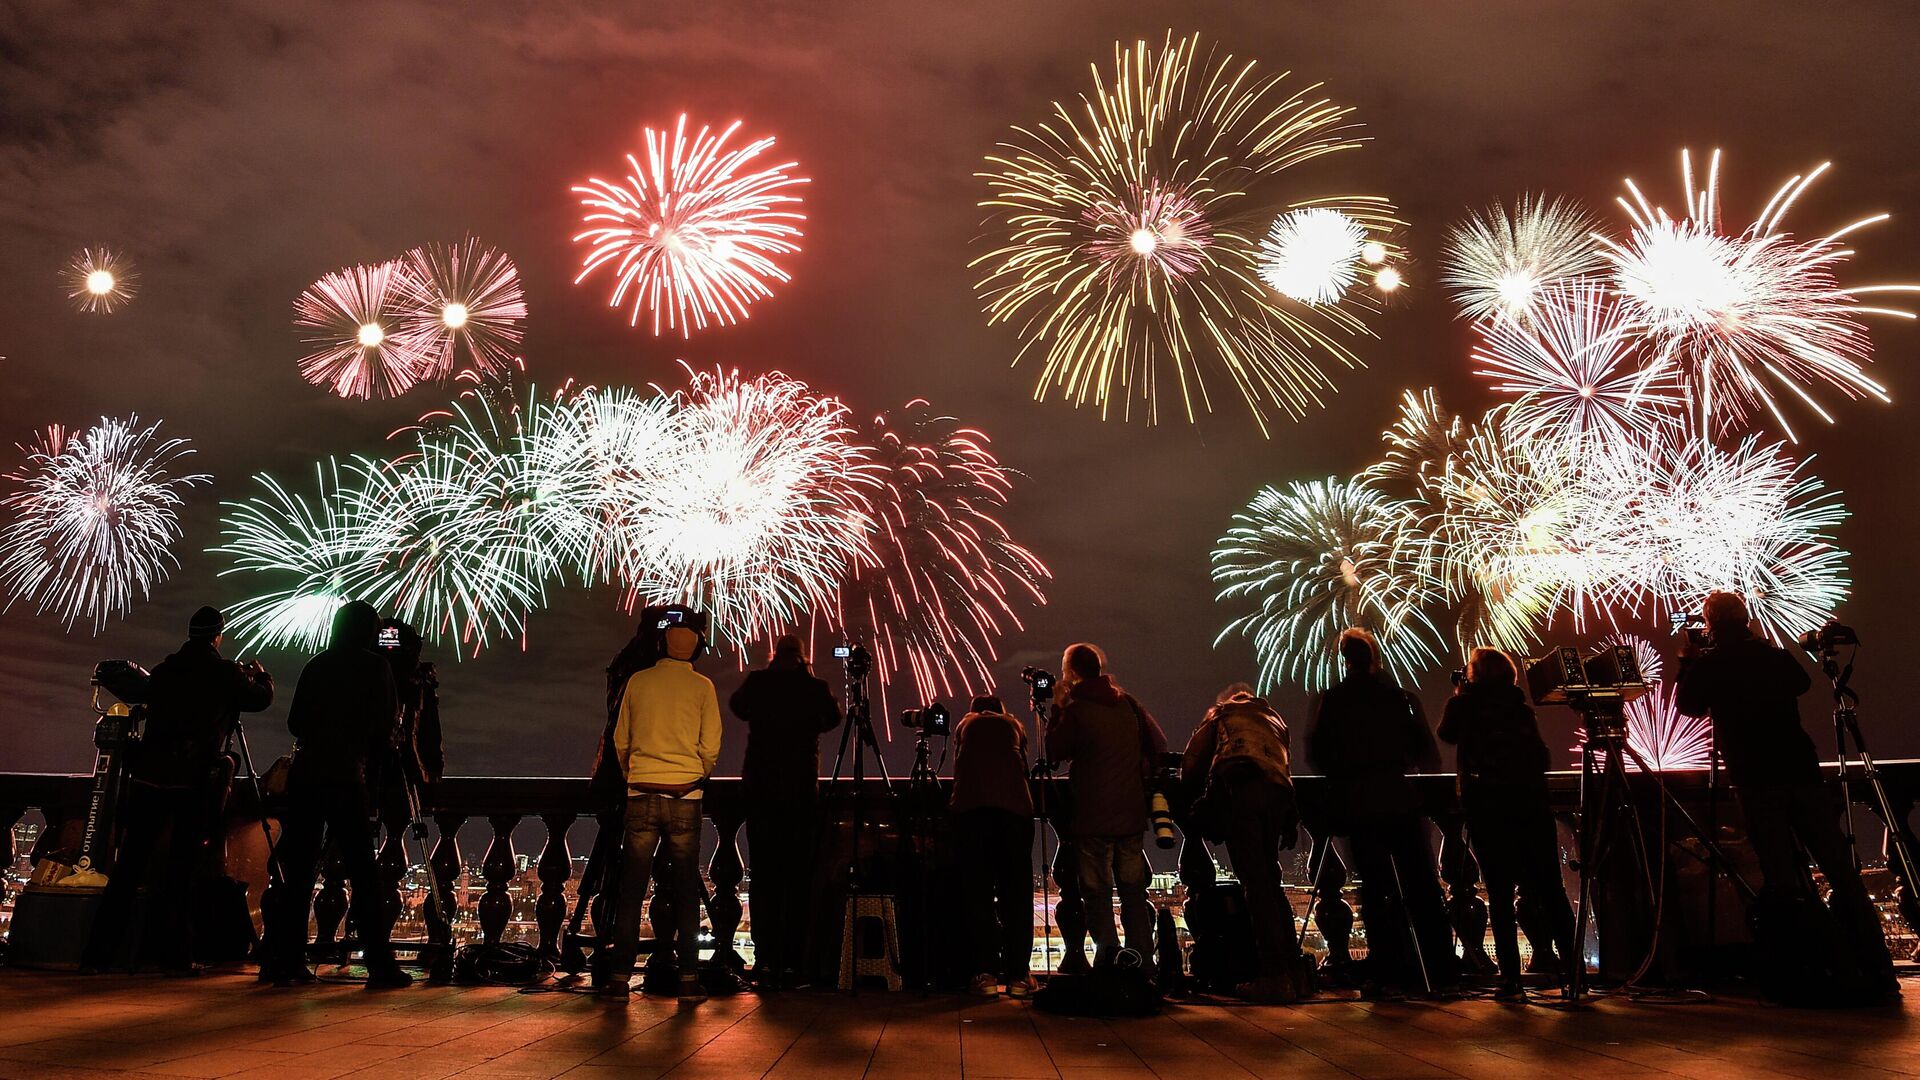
932	720
1829	638
389	638
124	679
1040	679
1458	676
856	658
1165	775
1691	624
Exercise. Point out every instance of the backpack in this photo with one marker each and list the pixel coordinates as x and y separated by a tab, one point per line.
1224	954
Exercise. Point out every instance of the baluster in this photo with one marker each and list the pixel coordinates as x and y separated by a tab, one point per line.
1331	913
1465	909
723	905
496	907
9	817
1906	894
441	917
556	866
330	906
391	864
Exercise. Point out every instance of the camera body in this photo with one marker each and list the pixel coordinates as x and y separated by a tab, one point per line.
855	656
1458	676
1828	639
1691	624
932	720
1040	681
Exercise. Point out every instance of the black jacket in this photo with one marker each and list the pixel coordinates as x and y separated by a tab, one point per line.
1501	752
1751	689
344	708
194	700
785	710
1369	736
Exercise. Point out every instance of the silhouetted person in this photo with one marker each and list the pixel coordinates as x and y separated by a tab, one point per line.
785	709
1238	770
344	714
1751	689
1502	771
175	792
1110	740
667	742
993	828
1369	736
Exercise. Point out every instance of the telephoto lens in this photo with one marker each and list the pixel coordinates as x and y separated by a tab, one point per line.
1162	817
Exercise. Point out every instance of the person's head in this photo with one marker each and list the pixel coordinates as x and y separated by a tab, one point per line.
1082	661
682	642
356	625
788	653
1234	690
987	703
1359	650
207	625
1491	667
1725	613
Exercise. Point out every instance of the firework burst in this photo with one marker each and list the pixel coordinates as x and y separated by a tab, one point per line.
1128	237
1315	558
692	235
314	556
1499	262
466	305
1660	735
1313	255
100	280
1743	315
583	457
357	321
92	519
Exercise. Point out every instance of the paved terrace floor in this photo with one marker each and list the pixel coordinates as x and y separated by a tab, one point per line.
59	1026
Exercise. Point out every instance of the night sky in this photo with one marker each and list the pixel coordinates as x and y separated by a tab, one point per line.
236	151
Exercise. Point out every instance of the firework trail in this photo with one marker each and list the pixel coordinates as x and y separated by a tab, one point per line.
464	303
92	519
357	321
692	235
100	280
1315	558
1499	262
1743	315
315	554
1128	237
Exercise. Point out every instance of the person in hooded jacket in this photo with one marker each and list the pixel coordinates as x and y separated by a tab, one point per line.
1238	772
1369	736
1111	741
1502	770
344	714
786	709
174	794
993	823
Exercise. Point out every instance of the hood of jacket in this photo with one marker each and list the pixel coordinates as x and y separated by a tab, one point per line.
355	626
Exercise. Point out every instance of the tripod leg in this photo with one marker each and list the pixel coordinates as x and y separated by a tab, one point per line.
1716	857
260	803
1592	833
1843	720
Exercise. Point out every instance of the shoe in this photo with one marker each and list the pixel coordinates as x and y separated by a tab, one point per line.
795	980
387	976
1378	991
293	975
692	992
184	971
984	985
1510	991
1269	990
614	989
1022	988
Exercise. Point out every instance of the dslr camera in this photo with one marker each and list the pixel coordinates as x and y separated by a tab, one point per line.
855	656
1039	680
1828	639
932	720
1691	624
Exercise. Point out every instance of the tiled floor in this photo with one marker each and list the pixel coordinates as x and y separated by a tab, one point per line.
67	1026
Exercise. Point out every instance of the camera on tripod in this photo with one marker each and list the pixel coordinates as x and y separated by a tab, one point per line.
1828	639
1596	686
932	720
855	656
1040	681
1691	624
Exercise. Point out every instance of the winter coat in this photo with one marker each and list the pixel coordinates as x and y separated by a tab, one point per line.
990	764
1751	689
194	701
785	709
344	707
1501	753
1369	735
1110	739
1243	728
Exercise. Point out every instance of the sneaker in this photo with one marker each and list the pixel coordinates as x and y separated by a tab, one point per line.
692	992
1022	987
387	976
1269	990
292	975
985	985
1379	991
614	988
1510	991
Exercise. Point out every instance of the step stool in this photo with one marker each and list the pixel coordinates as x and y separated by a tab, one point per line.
855	962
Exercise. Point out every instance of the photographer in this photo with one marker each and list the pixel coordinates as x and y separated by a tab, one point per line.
1369	736
993	823
1503	789
666	742
1111	741
785	709
1751	688
343	715
1238	773
175	791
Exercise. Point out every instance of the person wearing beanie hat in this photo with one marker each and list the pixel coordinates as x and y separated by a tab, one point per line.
175	792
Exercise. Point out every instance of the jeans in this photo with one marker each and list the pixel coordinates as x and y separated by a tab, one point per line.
1514	842
1108	863
781	834
1259	810
1399	890
668	827
996	870
1779	814
319	813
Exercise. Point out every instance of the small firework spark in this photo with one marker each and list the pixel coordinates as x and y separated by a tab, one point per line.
1740	316
1121	252
467	306
100	280
91	524
692	234
356	319
1498	263
1316	558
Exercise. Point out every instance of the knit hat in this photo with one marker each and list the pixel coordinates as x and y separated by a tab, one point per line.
207	623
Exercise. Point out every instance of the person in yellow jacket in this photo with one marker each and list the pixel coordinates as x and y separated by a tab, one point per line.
667	741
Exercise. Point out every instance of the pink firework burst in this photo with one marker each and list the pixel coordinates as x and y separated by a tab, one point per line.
693	232
357	320
1664	738
467	307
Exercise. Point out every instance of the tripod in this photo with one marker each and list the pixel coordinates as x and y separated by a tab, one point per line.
857	735
1846	726
1042	775
274	875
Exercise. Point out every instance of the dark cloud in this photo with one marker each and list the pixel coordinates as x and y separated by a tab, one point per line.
238	150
